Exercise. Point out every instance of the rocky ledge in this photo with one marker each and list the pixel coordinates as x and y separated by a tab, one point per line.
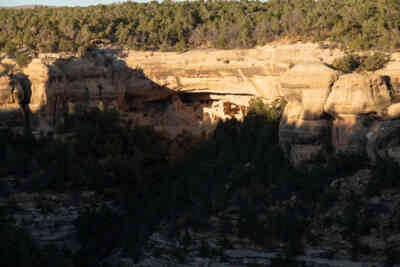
328	113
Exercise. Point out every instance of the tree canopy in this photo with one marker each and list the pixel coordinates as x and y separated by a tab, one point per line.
169	25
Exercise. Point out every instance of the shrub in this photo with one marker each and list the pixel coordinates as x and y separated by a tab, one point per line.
23	59
347	64
374	62
99	230
270	112
10	49
350	63
392	256
18	249
384	175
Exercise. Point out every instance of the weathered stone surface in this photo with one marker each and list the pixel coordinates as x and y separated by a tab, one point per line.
393	111
310	83
223	71
304	132
50	217
358	94
392	72
309	76
191	91
304	141
268	87
351	98
306	154
100	79
38	74
219	82
349	134
5	89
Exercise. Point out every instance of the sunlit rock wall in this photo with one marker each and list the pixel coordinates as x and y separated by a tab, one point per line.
328	113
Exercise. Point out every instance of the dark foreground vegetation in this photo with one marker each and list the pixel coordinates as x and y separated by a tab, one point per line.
240	164
169	25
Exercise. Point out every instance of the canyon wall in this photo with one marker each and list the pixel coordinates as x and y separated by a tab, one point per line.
328	113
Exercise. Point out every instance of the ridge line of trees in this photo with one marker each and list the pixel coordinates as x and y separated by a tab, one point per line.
169	25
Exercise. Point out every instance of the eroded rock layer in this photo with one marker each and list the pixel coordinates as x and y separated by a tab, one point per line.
328	113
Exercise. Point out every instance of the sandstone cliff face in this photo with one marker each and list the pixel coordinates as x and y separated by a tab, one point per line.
221	82
327	112
350	114
358	94
309	85
303	131
5	91
15	95
352	107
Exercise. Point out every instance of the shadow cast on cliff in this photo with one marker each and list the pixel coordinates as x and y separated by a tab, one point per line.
99	78
238	167
16	112
341	141
95	79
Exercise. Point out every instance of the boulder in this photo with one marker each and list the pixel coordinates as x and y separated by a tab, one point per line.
357	93
393	111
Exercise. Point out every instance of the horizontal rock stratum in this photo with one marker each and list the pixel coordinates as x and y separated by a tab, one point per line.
328	113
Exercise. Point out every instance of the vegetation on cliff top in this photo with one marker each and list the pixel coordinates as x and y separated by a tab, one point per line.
353	62
355	24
